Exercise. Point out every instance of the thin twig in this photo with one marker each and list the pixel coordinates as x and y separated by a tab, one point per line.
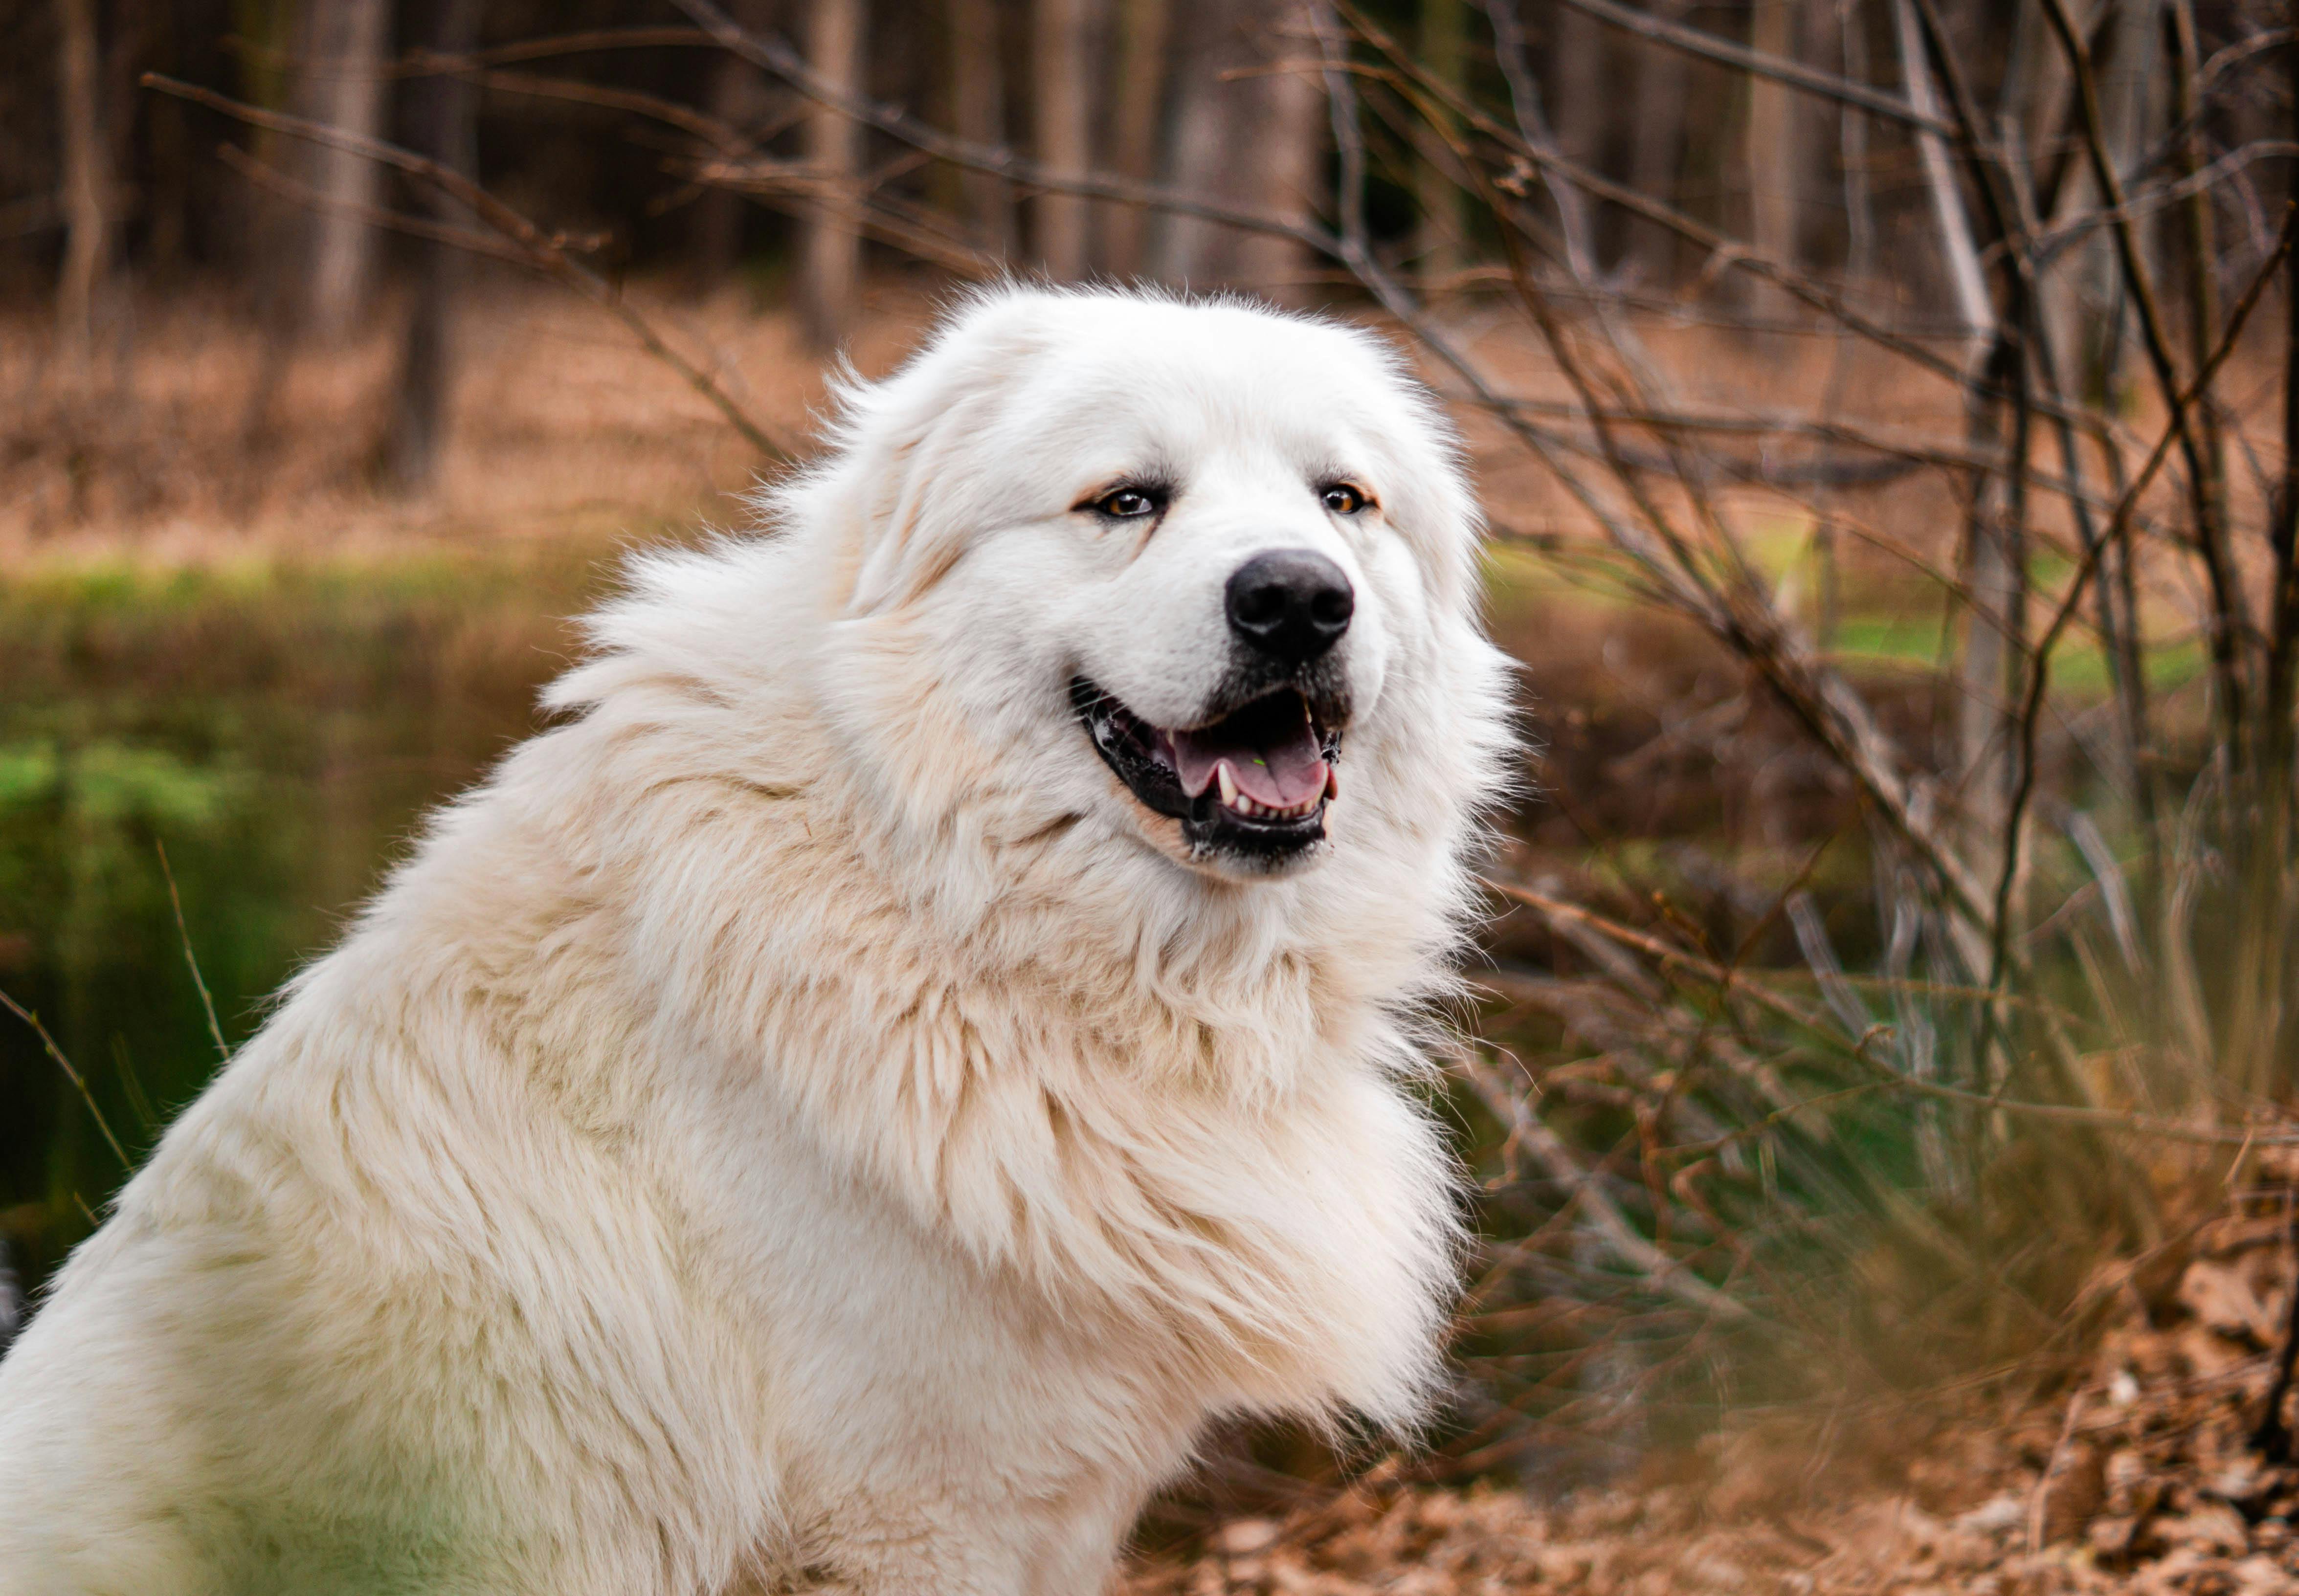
2229	621
1625	1241
65	1064
721	136
2040	1499
1725	252
1707	46
1512	51
2149	1126
298	193
2194	183
428	63
547	252
191	959
2031	712
1829	710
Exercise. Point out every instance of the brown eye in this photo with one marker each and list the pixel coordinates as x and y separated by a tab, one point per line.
1126	504
1341	498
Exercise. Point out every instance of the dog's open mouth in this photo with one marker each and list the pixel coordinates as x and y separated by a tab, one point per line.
1254	781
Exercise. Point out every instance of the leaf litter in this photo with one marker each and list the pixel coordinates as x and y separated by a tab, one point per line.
2140	1475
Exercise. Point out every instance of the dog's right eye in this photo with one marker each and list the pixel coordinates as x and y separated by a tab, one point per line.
1126	504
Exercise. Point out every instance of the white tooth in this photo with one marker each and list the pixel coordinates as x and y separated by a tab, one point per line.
1228	784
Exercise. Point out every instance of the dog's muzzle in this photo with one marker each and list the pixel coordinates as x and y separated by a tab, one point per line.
1251	783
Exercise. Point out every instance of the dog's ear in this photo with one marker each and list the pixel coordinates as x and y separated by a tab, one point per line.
907	532
1433	503
913	468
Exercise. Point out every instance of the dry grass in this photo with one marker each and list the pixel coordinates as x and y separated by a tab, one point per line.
2140	1476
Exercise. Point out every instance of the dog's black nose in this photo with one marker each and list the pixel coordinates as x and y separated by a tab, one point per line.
1289	604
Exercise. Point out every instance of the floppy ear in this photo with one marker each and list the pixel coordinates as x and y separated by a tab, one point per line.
1446	520
1436	510
917	490
917	510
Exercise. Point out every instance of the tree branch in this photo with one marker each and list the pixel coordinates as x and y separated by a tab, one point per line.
546	252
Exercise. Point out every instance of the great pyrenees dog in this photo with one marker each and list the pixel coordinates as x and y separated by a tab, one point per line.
931	1025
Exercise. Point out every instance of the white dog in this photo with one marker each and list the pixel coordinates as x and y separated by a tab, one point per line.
930	1029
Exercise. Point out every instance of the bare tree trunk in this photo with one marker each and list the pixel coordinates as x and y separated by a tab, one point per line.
1993	577
1656	144
1859	201
1246	134
1145	28
442	123
1985	728
1061	63
740	98
348	39
1443	223
273	243
2031	108
831	254
1816	38
2087	320
1850	39
1580	104
2131	101
169	145
977	83
87	245
2202	248
1770	150
1967	280
1513	53
2035	107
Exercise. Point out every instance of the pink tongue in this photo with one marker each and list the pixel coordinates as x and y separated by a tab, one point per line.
1284	775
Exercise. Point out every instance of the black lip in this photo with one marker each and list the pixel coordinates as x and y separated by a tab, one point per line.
1126	744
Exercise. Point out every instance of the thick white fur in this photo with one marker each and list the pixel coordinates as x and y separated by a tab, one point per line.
802	1124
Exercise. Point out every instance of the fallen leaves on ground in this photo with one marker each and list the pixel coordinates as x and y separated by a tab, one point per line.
2141	1477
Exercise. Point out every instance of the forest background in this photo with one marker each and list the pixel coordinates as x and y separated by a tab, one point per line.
1884	412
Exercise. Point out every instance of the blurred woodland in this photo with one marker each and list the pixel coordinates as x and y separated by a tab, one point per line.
675	143
1887	415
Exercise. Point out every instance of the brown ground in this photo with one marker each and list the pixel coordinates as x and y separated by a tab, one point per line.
2141	1478
564	428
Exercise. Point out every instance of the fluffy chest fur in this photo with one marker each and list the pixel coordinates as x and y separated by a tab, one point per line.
1204	1149
999	1213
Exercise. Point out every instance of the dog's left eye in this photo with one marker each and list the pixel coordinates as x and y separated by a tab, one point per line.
1341	498
1128	504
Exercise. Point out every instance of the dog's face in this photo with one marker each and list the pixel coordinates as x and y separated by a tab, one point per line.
1163	560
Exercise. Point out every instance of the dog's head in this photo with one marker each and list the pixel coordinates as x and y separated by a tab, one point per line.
1190	575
